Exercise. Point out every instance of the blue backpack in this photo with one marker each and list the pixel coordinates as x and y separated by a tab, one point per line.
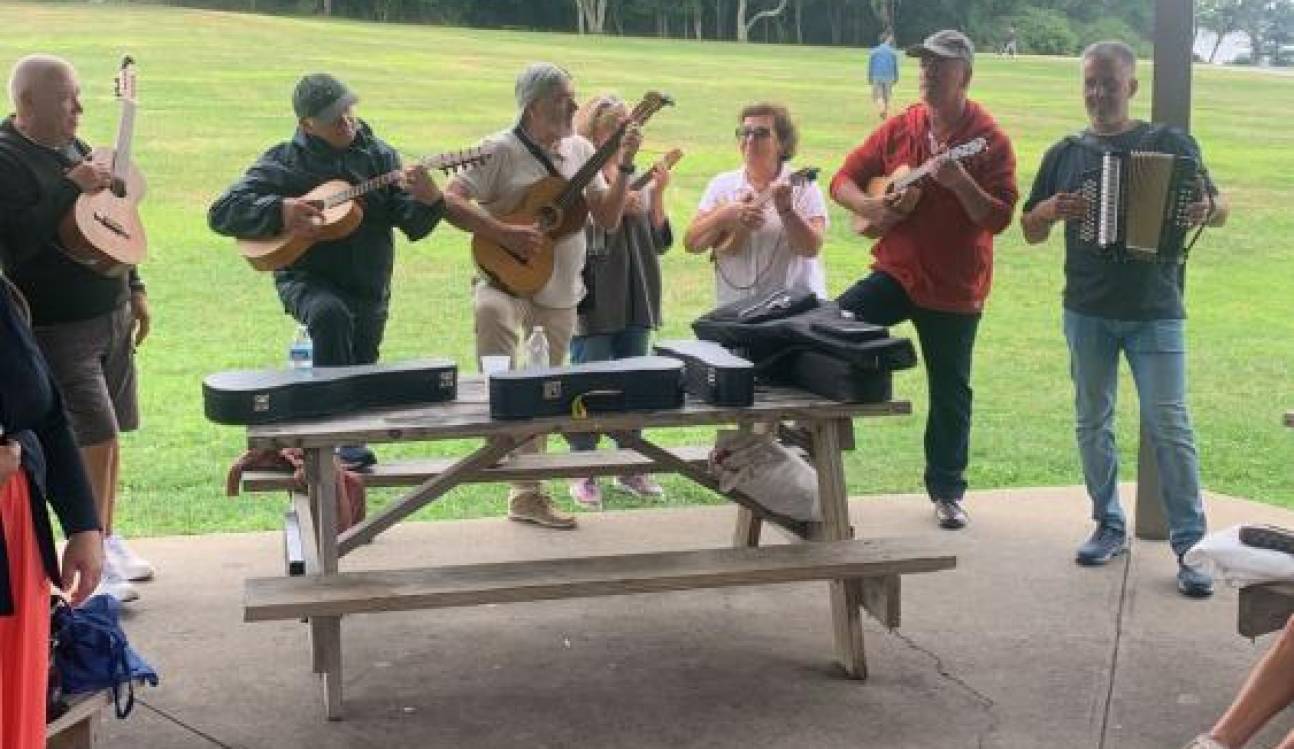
91	652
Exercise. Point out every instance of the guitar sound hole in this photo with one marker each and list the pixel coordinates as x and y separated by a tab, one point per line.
549	217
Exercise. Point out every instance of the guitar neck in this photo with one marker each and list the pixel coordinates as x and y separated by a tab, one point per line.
125	138
590	169
382	180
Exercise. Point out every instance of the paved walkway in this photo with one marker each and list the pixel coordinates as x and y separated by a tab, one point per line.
1017	647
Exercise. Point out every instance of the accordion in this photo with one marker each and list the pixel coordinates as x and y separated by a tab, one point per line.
1137	205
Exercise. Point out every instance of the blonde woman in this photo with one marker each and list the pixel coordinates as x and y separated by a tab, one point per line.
622	283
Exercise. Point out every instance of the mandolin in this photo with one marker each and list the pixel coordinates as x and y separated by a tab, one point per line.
902	181
667	162
556	207
103	230
733	240
342	211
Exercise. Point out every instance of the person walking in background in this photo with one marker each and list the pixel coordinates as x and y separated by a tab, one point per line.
1011	45
883	73
622	283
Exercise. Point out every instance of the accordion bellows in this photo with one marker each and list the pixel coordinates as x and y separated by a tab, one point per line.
1137	203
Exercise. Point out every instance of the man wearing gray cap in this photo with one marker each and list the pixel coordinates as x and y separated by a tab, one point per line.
339	289
543	143
934	263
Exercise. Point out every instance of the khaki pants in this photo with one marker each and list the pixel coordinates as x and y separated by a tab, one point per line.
503	323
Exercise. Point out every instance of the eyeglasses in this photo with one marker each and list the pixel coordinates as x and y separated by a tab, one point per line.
758	133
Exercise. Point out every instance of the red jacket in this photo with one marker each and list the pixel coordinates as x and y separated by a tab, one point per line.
943	259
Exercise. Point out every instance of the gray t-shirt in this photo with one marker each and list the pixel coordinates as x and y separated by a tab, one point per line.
1094	285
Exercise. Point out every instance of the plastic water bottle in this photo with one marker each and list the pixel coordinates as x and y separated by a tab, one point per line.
537	349
301	353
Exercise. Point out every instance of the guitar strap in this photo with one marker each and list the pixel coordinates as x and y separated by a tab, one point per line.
536	151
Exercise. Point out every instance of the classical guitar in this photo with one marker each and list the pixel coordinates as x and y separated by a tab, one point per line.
103	230
667	162
903	180
556	207
340	203
733	240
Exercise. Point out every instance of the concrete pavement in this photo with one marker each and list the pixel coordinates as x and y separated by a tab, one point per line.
1017	647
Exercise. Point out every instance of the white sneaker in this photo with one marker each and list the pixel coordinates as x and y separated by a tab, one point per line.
116	586
125	562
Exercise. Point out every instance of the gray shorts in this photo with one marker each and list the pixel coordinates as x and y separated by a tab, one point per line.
881	91
93	362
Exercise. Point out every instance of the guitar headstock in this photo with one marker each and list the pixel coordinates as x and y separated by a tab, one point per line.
672	157
455	161
652	102
124	83
803	175
967	149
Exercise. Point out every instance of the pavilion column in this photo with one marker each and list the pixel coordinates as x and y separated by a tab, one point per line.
1171	104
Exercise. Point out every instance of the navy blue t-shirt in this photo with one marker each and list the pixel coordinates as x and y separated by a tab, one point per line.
1095	285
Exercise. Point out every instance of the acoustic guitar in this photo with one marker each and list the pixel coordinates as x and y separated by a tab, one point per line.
342	210
903	180
733	240
103	230
556	207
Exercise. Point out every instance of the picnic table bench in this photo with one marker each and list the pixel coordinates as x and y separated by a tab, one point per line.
861	575
1266	607
78	727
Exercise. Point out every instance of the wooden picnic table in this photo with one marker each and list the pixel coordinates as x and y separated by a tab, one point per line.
860	574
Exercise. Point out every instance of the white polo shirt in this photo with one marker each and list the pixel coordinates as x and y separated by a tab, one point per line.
499	185
767	262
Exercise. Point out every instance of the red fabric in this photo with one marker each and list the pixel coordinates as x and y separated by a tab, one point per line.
24	637
942	258
352	502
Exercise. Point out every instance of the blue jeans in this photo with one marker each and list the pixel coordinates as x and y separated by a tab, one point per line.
1156	352
630	341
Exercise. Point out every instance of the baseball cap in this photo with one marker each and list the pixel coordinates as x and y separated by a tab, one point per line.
949	44
322	97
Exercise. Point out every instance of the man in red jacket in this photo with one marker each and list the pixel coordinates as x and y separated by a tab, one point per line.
934	261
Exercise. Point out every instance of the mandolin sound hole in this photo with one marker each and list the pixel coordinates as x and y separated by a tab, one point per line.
548	218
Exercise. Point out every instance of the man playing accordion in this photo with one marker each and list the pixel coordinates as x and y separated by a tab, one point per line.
1115	301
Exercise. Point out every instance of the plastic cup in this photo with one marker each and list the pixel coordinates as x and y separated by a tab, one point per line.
492	364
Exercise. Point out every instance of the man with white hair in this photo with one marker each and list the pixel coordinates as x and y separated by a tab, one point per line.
86	324
543	143
1130	307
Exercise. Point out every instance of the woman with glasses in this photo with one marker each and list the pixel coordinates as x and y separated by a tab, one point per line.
780	226
622	281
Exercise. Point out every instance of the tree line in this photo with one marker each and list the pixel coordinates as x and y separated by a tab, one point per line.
1040	26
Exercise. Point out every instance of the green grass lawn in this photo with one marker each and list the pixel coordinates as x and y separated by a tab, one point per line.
215	92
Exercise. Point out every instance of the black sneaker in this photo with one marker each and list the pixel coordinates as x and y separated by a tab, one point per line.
1105	544
356	457
1192	581
950	515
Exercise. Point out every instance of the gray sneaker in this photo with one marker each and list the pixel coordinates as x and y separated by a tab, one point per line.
1105	544
1193	581
950	515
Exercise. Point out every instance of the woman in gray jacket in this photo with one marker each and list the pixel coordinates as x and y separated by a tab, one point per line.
622	282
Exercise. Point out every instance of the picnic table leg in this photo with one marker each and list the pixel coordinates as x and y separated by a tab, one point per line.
325	631
846	595
748	528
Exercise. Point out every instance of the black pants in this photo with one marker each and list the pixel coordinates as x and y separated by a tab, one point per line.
345	330
947	342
